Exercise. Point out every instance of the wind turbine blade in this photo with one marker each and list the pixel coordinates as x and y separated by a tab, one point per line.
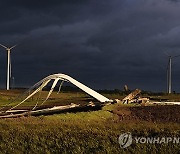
13	47
52	88
175	56
37	90
3	46
166	54
60	86
33	93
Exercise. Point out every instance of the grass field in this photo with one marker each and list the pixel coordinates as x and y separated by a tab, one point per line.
89	132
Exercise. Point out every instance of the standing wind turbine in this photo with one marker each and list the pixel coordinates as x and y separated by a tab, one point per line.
169	73
8	63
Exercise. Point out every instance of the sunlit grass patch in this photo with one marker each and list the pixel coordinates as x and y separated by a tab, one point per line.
83	132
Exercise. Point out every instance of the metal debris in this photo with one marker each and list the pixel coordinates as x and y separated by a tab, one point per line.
134	97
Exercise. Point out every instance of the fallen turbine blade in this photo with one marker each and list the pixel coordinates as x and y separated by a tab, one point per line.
52	88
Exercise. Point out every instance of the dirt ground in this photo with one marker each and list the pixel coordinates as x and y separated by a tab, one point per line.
158	113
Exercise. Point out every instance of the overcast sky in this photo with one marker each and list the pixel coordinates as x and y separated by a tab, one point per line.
102	43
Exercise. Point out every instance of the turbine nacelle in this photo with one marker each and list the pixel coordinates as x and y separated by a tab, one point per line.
7	48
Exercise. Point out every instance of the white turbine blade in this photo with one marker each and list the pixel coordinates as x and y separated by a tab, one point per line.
86	89
56	77
13	47
37	100
3	46
37	90
60	86
41	87
52	88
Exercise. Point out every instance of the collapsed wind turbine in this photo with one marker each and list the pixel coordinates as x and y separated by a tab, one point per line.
169	72
8	63
11	110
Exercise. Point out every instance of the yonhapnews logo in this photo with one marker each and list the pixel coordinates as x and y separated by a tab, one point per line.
126	139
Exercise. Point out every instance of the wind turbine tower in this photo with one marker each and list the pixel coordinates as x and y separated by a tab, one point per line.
169	73
8	64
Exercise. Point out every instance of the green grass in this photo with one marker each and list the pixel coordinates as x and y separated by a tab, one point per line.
81	132
84	132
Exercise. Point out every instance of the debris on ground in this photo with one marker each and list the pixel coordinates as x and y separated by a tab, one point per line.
134	97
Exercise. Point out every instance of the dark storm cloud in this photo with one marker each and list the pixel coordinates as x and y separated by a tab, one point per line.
104	44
